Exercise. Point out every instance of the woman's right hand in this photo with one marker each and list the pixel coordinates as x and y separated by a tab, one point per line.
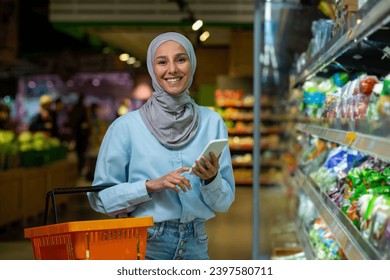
173	180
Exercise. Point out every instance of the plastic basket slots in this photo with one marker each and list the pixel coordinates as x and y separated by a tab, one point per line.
108	239
123	238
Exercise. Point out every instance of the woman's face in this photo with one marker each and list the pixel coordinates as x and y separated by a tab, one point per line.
172	67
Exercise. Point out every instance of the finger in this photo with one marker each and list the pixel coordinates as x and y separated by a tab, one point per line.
200	166
210	166
182	169
214	158
182	186
187	183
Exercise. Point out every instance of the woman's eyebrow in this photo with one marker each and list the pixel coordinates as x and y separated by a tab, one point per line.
176	55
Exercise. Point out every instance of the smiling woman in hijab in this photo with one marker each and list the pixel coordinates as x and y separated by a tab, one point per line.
146	155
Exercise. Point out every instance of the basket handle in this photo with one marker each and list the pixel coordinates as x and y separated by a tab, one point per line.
50	196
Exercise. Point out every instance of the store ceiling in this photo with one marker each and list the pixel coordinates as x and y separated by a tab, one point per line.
52	26
131	25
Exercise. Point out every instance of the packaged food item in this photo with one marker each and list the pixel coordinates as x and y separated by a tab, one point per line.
313	99
384	243
362	92
378	224
372	113
384	99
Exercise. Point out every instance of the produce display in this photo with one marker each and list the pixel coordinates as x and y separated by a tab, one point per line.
29	149
324	244
360	186
322	241
347	96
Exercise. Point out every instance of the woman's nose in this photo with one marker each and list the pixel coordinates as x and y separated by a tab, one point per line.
172	68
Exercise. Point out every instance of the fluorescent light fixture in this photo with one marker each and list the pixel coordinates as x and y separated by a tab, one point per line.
205	35
197	24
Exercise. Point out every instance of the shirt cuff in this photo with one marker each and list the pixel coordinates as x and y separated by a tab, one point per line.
214	184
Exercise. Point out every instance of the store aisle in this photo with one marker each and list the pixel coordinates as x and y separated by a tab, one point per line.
230	234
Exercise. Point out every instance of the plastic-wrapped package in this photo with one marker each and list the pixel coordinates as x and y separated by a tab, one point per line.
307	212
332	103
340	79
324	243
362	95
313	99
384	243
384	99
373	105
378	224
371	177
322	31
314	156
346	98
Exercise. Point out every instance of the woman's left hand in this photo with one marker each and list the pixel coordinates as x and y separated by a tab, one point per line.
206	169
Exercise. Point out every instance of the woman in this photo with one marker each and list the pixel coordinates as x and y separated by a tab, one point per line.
146	154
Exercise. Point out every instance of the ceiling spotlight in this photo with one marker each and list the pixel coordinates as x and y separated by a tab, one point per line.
131	60
124	57
204	36
197	24
137	64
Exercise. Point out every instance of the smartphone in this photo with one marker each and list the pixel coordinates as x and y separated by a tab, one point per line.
216	146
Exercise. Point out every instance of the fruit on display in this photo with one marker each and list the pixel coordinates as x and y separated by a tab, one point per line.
29	149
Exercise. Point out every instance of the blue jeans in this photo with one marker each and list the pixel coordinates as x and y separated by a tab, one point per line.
172	240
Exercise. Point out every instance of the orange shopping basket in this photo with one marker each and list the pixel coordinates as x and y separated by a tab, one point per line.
107	239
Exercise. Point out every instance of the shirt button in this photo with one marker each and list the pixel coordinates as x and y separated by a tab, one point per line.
180	252
182	243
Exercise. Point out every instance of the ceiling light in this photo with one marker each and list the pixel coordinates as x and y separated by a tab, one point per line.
197	24
131	60
205	35
124	57
137	64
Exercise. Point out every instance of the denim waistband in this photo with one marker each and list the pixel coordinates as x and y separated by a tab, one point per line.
177	228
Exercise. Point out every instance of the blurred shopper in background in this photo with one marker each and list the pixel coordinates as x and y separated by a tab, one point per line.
5	117
79	123
44	120
124	107
60	118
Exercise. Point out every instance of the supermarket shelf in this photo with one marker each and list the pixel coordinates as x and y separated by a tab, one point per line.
374	16
304	240
368	144
354	245
249	131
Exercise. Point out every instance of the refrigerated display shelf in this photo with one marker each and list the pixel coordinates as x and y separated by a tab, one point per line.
304	240
368	144
373	16
354	245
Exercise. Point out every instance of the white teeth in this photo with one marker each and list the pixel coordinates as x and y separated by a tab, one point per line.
173	80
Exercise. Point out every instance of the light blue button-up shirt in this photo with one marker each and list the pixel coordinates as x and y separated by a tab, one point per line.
130	155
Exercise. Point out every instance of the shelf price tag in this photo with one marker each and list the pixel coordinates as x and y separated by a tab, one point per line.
350	138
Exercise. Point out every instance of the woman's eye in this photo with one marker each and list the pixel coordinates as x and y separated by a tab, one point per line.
182	59
161	62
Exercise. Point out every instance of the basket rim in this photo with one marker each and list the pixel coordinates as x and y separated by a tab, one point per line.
90	225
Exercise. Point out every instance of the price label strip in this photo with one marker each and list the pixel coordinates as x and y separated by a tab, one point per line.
350	138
